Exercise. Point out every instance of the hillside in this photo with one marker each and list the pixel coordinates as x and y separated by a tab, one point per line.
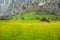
8	7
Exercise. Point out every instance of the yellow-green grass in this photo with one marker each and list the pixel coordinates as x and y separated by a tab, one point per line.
15	30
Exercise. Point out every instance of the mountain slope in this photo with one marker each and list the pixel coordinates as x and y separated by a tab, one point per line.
15	6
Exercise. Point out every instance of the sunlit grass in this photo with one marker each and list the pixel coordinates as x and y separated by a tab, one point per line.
28	30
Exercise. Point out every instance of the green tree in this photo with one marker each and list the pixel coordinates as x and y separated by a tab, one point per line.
53	13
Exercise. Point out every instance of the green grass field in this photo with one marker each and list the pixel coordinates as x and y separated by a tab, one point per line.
29	30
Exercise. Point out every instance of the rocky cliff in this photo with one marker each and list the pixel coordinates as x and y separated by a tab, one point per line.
15	6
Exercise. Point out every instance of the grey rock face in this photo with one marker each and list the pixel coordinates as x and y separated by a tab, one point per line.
15	6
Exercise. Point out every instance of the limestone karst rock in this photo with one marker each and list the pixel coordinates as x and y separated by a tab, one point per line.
14	6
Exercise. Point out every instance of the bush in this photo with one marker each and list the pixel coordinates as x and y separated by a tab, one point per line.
53	13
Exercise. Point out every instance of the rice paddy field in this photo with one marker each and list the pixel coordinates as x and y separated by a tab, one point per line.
29	30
